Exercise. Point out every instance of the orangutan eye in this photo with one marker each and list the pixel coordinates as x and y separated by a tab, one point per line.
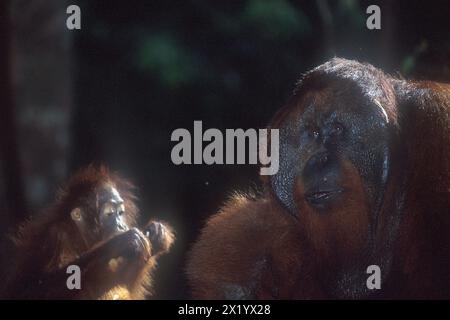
316	134
336	129
109	208
121	209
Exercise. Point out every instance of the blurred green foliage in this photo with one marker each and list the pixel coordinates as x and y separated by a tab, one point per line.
165	57
226	44
353	12
275	19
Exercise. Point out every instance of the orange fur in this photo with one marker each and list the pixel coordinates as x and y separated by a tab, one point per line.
47	243
255	248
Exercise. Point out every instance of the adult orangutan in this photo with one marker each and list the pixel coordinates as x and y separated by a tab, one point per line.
364	180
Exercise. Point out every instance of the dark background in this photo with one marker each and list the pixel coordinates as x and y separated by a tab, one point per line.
114	91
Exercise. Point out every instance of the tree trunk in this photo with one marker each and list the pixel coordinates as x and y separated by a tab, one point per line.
13	206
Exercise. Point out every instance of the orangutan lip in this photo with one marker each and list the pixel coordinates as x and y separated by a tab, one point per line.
318	197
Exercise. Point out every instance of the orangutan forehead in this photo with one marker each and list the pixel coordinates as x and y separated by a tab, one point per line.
109	193
326	103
